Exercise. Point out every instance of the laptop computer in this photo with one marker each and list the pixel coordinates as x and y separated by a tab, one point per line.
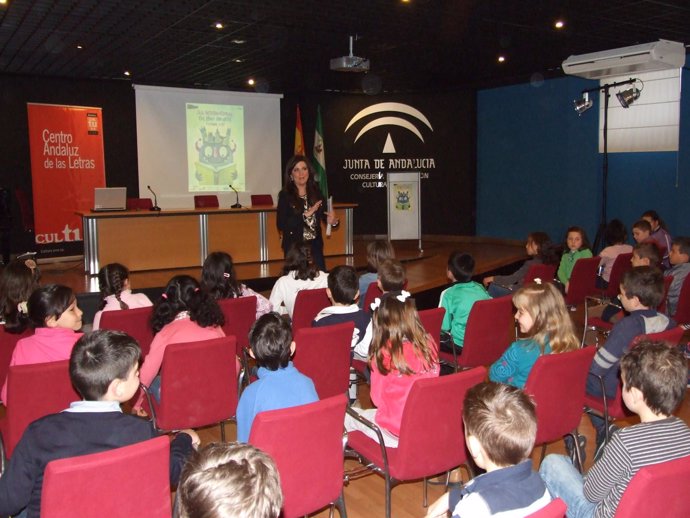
109	199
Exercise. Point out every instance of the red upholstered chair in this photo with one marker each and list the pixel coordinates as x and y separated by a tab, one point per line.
431	320
582	281
667	285
8	341
323	354
135	322
555	509
139	204
682	315
557	385
120	483
615	408
431	432
261	200
666	482
240	315
202	201
545	272
373	291
198	385
33	391
306	443
621	265
490	330
308	303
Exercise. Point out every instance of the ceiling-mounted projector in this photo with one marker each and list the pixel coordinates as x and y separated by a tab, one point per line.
350	63
659	55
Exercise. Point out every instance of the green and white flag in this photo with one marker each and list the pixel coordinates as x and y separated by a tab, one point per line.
320	156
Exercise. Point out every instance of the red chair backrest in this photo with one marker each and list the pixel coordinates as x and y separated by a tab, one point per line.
34	391
555	509
198	384
545	272
557	385
657	490
139	203
431	320
306	443
621	265
135	322
682	315
308	303
667	285
205	200
240	315
373	291
323	354
426	448
261	199
8	341
582	281
490	330
116	475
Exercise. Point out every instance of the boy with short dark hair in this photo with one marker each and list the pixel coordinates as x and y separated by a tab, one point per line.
104	368
654	381
641	231
646	254
280	384
391	276
679	257
500	429
460	297
230	480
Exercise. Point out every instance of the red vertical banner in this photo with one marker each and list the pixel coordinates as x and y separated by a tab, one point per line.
66	164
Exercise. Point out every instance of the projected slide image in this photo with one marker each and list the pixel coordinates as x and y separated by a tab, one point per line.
215	147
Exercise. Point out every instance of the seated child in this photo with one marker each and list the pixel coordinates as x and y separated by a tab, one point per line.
460	297
342	292
654	379
229	480
680	267
640	293
280	384
377	252
659	235
104	368
576	247
546	327
642	231
500	429
18	280
116	292
616	237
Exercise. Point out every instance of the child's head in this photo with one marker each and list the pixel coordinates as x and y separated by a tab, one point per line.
460	267
576	239
271	342
542	316
680	251
502	421
218	276
18	280
299	260
394	322
391	275
104	365
641	230
616	234
54	306
659	372
343	285
112	279
642	286
646	254
230	480
654	220
535	242
377	252
182	293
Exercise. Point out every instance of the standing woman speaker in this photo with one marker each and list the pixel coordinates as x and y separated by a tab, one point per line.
301	209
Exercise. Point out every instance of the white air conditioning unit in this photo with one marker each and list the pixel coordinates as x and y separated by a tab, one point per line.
659	55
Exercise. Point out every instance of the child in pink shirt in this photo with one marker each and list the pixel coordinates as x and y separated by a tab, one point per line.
52	311
116	292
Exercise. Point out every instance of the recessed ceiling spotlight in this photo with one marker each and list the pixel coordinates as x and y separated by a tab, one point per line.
559	24
238	60
250	82
501	59
78	45
218	25
239	41
3	2
127	73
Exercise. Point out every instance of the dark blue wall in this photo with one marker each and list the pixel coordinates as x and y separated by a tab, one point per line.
538	165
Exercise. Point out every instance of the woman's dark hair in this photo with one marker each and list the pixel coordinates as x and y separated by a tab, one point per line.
616	233
111	281
654	216
49	301
313	192
17	282
218	277
583	235
299	260
182	293
546	250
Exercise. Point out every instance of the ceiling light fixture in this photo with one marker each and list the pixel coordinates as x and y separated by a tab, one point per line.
239	41
501	59
584	104
218	25
250	82
629	96
78	45
559	24
127	73
238	60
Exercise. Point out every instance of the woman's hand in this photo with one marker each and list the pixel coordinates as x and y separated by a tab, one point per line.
331	219
313	208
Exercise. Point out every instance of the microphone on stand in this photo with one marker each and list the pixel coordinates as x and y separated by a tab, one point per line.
155	200
237	199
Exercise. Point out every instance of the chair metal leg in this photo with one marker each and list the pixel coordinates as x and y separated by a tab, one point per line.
543	454
425	489
340	504
388	495
222	431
